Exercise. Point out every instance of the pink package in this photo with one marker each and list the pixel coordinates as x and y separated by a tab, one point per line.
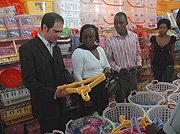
33	128
9	20
24	20
15	129
1	22
3	33
13	32
25	31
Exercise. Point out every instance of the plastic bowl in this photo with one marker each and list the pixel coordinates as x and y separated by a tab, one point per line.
10	78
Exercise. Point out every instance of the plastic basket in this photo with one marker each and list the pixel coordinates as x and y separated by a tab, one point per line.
67	8
173	98
177	83
146	99
163	88
14	97
71	121
163	112
72	22
129	110
17	115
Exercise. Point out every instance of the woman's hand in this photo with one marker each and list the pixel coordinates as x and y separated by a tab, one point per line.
107	72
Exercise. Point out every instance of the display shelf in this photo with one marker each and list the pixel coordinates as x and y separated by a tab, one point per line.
15	39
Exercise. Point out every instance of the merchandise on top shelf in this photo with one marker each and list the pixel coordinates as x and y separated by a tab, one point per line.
10	20
37	6
24	20
25	31
13	32
72	22
11	7
3	33
96	18
1	22
67	8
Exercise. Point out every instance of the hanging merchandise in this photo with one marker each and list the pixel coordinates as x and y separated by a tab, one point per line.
94	14
110	8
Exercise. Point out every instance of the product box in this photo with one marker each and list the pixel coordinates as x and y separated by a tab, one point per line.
37	6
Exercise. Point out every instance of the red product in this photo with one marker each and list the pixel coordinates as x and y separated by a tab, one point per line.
33	128
15	129
15	3
10	77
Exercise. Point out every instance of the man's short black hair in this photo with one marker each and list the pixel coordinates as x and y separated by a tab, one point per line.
165	21
121	14
88	26
50	18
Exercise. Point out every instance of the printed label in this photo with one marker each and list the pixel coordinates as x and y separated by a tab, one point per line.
26	21
40	6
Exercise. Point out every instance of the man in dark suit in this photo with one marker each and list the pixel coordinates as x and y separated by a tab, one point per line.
43	71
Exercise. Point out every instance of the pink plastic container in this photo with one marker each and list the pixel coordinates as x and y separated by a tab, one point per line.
24	19
1	22
15	129
33	128
25	31
13	32
10	20
3	33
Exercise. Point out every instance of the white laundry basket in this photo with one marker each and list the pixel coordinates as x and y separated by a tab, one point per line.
114	110
177	83
173	98
163	88
163	112
146	99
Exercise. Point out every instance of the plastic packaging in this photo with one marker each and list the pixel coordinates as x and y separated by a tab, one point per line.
3	33
9	20
25	31
24	20
13	32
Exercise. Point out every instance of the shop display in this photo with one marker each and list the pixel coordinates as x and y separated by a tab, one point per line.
114	110
146	99
17	25
90	125
162	112
163	88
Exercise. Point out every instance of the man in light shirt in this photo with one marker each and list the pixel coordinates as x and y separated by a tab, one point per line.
123	53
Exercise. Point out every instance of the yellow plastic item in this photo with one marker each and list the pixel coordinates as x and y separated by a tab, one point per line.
37	6
17	115
127	123
83	91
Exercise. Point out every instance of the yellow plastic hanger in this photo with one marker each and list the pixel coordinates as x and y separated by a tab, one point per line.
83	91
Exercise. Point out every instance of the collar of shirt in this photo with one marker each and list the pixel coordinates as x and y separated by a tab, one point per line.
47	44
118	35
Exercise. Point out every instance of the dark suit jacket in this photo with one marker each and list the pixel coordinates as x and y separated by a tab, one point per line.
41	74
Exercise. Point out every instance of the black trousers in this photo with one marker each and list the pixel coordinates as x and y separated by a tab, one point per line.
128	83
